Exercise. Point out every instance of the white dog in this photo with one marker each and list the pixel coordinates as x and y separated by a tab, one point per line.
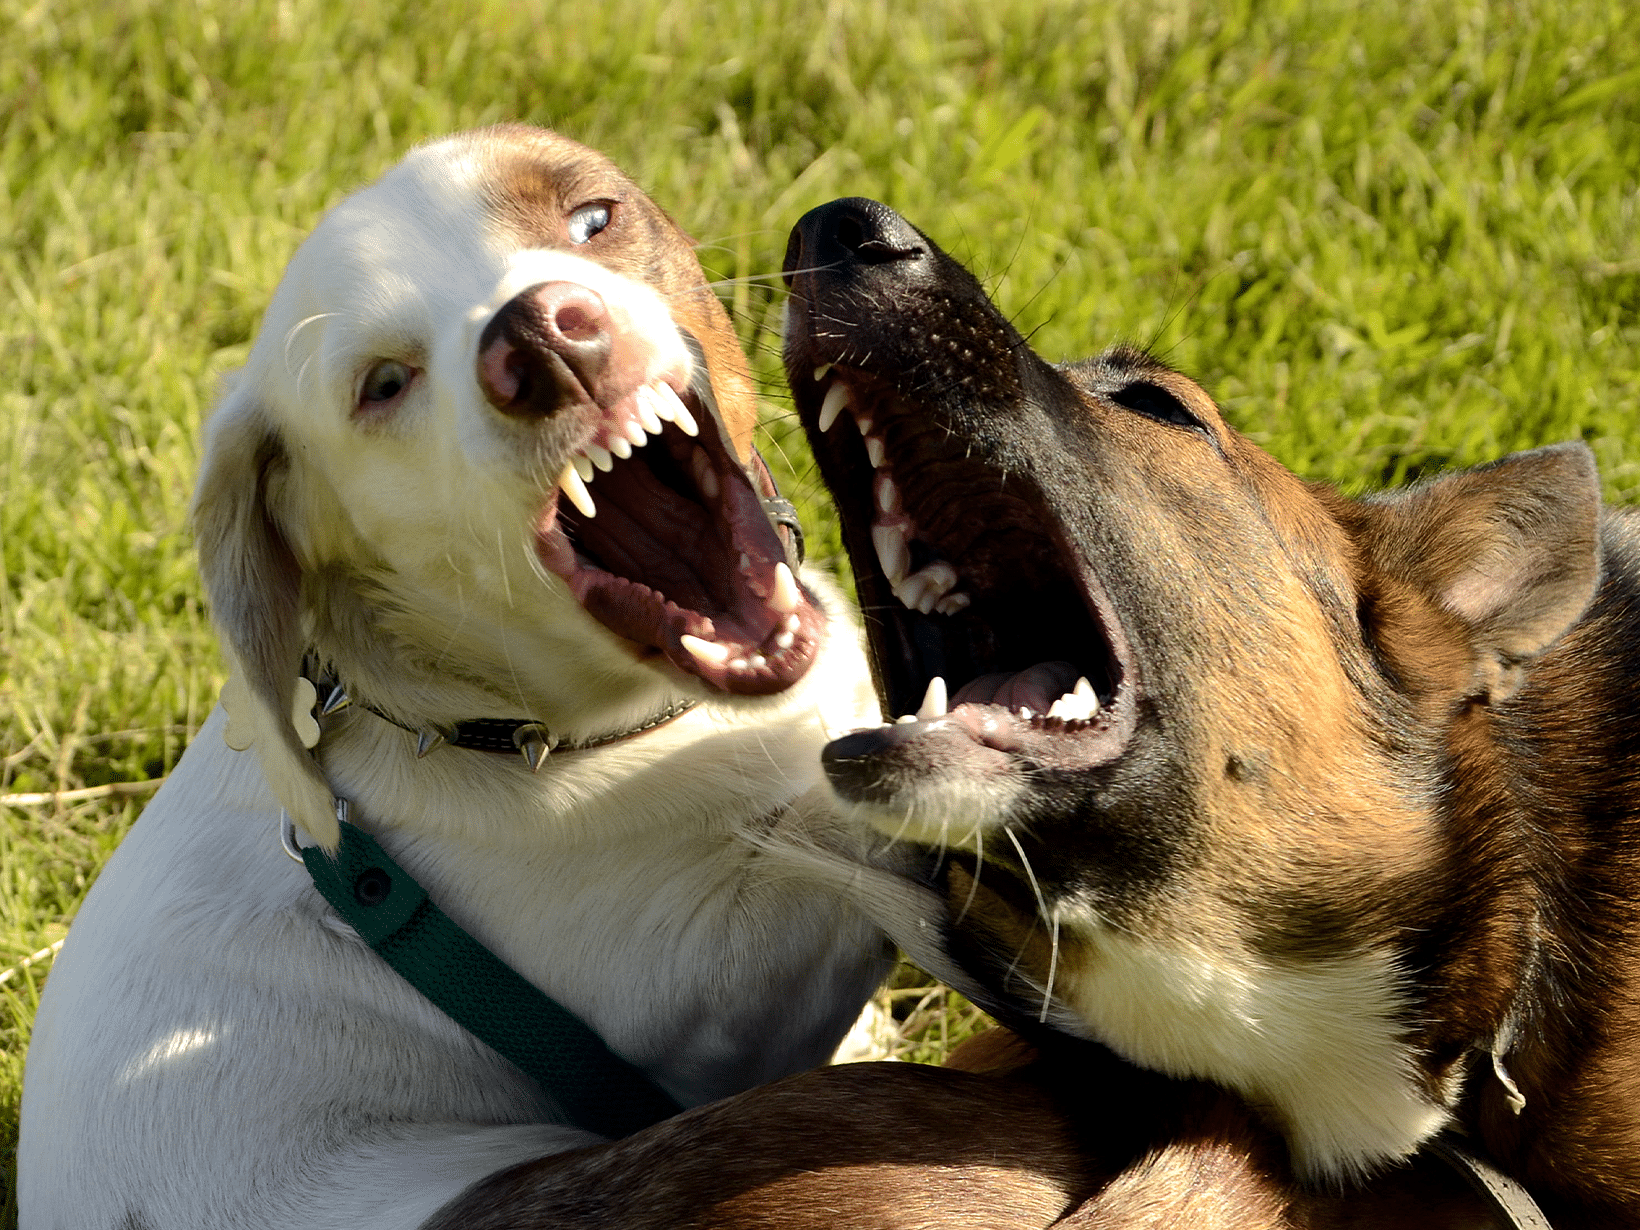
481	464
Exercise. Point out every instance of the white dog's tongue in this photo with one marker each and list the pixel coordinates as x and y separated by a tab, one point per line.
1035	689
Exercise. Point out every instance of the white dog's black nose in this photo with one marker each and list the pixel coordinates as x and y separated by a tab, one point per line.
548	347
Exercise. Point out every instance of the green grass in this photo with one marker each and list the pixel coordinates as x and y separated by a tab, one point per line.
1389	237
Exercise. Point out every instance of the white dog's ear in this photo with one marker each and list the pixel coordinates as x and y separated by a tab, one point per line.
255	586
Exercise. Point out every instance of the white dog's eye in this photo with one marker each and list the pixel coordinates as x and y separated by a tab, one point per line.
587	221
384	381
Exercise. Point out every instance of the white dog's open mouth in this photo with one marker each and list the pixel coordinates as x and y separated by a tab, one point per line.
662	538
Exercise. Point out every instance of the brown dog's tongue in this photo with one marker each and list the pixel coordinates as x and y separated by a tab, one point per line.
1035	689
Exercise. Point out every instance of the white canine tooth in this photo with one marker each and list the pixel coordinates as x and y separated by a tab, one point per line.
874	450
952	603
832	406
934	699
647	410
1077	705
583	467
572	486
676	410
705	478
785	596
600	457
705	651
620	446
892	552
888	495
821	372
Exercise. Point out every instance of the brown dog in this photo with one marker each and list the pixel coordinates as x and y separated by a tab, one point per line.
1328	803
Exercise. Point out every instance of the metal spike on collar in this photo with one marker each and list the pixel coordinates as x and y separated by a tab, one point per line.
535	741
335	700
431	739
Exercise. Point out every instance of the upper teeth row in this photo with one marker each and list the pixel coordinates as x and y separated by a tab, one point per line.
651	404
1077	705
929	588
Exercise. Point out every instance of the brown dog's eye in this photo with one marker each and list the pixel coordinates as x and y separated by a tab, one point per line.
587	221
384	381
1153	401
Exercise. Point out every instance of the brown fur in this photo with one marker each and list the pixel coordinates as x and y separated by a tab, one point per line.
538	177
1356	813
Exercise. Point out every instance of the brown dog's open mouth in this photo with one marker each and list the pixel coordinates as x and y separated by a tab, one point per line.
662	538
985	625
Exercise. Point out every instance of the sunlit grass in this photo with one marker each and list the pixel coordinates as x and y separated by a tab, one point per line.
1389	237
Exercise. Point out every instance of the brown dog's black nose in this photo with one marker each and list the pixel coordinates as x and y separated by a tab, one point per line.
547	347
853	231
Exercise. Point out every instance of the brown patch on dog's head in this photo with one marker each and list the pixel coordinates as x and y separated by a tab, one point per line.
536	180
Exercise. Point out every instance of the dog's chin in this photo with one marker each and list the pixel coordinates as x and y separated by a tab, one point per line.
680	560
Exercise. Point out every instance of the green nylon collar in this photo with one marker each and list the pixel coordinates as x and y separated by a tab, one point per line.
594	1087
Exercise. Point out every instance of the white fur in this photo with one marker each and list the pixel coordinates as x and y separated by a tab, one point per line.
1317	1045
214	1049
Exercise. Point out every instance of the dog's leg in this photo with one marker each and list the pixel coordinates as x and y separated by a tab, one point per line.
880	1145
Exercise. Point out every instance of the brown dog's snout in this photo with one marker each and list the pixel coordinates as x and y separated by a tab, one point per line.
852	231
550	345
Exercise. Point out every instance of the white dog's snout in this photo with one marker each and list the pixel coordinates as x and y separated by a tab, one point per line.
542	344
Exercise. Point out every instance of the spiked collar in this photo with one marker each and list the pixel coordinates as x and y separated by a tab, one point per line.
519	736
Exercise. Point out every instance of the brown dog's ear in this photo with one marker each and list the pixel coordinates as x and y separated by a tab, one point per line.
254	584
1511	550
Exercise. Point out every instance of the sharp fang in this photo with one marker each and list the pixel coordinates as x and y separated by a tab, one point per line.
934	700
892	552
874	450
821	372
570	482
620	446
676	410
888	494
600	457
1077	705
705	479
583	467
832	406
785	596
952	603
647	410
705	651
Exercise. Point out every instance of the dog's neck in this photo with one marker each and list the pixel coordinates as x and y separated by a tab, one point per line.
1553	842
